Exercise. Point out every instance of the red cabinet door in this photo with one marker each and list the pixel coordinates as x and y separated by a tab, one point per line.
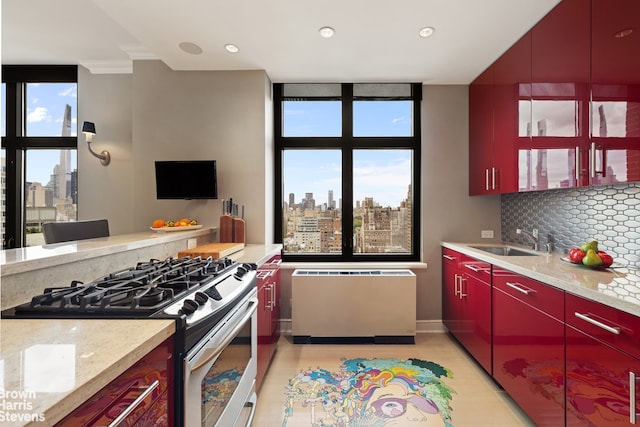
466	303
451	307
482	172
512	112
528	345
558	156
615	85
268	283
476	323
147	380
598	382
603	351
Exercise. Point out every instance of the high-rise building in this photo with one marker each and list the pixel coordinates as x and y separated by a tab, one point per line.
64	172
331	204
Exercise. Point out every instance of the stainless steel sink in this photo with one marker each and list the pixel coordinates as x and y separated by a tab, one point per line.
504	251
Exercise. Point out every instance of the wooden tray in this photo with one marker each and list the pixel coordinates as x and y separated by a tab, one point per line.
215	250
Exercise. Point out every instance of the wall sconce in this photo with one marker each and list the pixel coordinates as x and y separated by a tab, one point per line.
89	129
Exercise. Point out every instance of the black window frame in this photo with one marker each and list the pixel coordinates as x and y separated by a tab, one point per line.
348	143
15	142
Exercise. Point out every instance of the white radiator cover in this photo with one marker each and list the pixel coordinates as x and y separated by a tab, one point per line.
353	303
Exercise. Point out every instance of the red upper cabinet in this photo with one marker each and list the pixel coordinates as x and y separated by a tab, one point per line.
512	111
615	85
482	173
560	82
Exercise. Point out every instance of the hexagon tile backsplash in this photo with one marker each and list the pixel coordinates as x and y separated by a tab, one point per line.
569	217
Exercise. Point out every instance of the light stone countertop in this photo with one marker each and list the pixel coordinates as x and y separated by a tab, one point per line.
19	260
61	363
617	287
256	253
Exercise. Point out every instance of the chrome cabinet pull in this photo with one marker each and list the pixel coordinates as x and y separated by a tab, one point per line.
633	415
486	179
592	166
147	391
472	268
577	166
520	288
456	284
614	330
493	178
449	257
462	295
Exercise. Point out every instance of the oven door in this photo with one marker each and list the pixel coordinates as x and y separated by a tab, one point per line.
220	371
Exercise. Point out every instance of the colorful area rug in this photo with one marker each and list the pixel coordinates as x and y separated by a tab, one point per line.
372	393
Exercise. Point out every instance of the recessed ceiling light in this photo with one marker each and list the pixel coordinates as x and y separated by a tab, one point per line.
231	48
191	48
326	32
426	32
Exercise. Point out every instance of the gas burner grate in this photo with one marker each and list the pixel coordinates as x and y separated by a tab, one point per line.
149	285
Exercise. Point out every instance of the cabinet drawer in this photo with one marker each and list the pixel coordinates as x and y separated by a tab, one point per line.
607	324
148	380
479	269
537	294
450	256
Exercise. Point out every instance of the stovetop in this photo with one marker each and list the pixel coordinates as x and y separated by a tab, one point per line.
139	291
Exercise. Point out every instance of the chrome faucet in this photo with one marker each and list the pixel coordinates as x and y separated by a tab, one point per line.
533	236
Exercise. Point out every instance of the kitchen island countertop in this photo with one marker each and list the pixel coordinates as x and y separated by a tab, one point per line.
617	287
51	366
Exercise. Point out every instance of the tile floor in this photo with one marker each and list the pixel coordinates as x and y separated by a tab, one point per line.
475	400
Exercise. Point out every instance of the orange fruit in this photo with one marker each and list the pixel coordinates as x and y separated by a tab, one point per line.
158	223
187	220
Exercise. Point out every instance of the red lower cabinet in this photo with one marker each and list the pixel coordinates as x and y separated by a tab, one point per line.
602	361
466	303
140	396
268	283
528	345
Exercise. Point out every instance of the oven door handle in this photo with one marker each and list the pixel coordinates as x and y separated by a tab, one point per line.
215	351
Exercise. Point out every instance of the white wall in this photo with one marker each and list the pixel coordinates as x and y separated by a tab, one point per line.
106	191
448	212
160	114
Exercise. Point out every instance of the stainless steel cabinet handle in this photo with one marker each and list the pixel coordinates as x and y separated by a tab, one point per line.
592	166
632	397
455	288
577	166
486	179
586	318
520	288
449	257
472	268
147	390
462	295
493	178
272	293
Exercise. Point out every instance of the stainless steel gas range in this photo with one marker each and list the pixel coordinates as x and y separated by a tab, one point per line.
213	302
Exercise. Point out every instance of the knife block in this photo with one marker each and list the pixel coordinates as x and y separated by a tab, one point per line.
232	230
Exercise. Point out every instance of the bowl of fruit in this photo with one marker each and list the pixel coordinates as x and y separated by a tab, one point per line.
589	255
179	225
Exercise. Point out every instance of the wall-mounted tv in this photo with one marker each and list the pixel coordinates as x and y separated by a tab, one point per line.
186	179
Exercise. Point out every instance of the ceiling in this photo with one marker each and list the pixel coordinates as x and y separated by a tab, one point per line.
374	41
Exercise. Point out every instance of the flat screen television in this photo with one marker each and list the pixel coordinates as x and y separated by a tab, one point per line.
186	179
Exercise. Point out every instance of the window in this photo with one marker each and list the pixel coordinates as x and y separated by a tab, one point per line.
347	171
39	146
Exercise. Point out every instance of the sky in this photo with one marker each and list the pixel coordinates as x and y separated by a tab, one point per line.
384	175
45	112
